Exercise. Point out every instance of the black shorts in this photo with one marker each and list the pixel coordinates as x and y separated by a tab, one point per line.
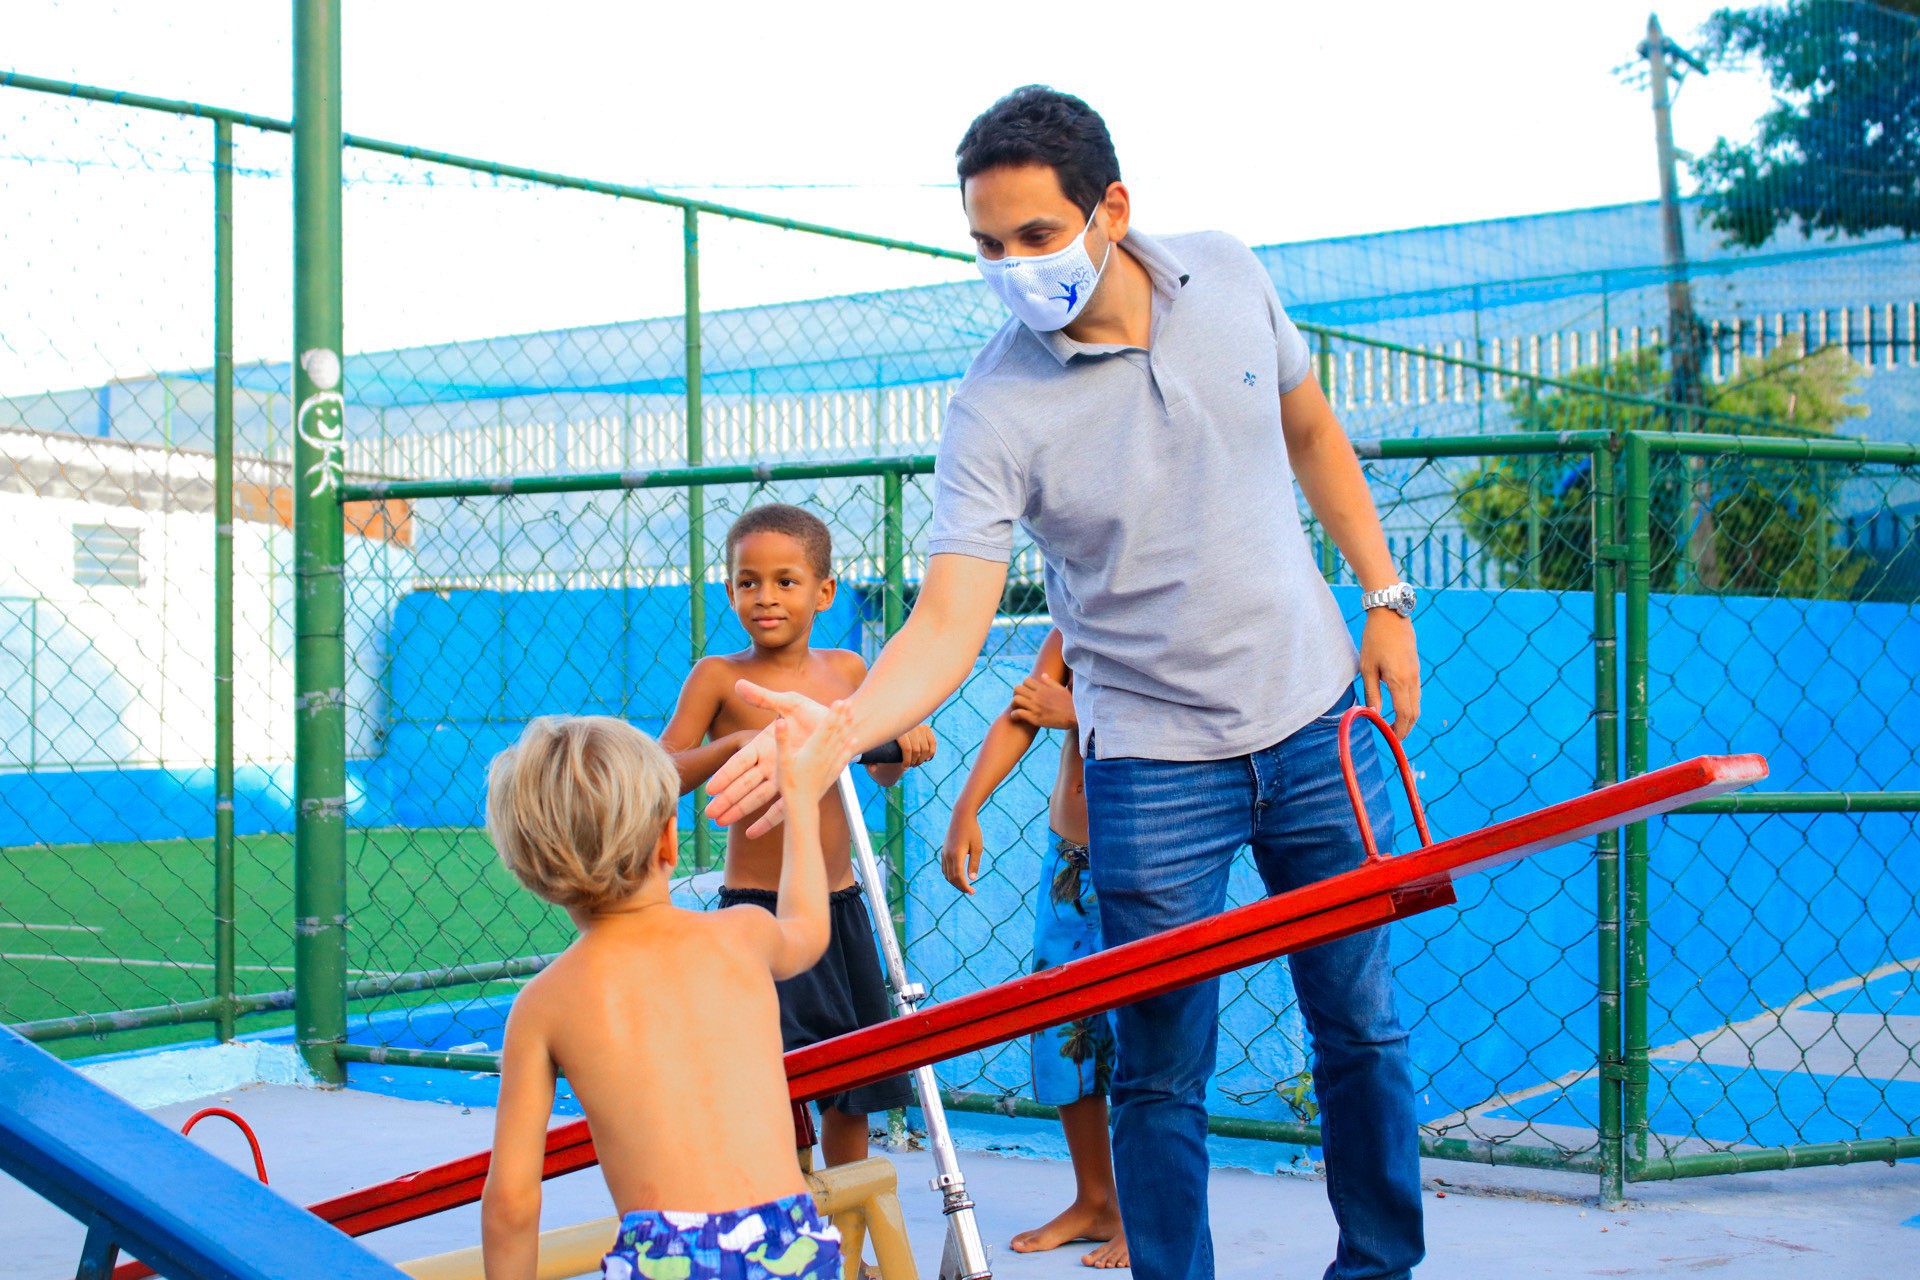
845	991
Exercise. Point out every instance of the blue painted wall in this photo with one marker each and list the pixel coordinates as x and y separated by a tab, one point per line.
1746	913
1500	991
83	806
467	671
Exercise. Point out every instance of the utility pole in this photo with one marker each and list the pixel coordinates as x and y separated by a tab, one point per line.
1699	555
1683	328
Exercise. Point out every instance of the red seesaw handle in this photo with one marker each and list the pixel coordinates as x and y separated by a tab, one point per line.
259	1161
1353	783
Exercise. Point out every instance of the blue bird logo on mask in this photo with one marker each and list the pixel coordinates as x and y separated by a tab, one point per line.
1070	293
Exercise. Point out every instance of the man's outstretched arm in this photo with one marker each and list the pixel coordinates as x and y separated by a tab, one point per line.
915	673
1336	489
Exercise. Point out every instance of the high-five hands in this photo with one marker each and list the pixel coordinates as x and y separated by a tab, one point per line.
806	764
749	780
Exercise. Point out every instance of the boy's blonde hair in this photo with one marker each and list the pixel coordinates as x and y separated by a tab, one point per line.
577	806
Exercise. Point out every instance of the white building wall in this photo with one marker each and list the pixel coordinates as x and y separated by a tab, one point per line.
110	675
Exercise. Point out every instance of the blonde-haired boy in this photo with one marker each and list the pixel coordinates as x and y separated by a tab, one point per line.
664	1021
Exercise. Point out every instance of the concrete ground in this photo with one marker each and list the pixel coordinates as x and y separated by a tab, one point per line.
1845	1222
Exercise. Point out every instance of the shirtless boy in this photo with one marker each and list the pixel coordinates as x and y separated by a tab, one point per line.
779	577
664	1021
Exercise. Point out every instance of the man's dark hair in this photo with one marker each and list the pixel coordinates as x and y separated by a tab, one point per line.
1038	125
801	525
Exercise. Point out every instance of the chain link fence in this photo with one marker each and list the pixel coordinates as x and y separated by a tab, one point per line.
146	867
1609	582
1534	1024
1777	934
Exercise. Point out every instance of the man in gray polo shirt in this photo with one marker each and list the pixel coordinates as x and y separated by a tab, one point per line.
1145	417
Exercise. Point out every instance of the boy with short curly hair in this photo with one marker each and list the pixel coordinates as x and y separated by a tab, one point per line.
779	579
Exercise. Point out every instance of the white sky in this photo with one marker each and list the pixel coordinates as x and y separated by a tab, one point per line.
1276	121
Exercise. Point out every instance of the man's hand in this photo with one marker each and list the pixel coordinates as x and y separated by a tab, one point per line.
960	855
806	764
1388	656
748	781
1044	703
917	746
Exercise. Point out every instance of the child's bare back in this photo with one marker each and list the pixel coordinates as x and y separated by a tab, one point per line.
682	1079
665	1022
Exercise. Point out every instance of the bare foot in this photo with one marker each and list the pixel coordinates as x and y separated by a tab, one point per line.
1111	1254
1078	1221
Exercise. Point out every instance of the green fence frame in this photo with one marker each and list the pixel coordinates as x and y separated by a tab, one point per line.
1622	464
320	856
1621	468
1638	450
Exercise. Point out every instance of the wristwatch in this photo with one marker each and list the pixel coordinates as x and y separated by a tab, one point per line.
1399	597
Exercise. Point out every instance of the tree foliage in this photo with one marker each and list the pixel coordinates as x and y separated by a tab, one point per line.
1747	526
1839	151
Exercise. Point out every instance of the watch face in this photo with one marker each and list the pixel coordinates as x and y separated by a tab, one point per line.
1399	598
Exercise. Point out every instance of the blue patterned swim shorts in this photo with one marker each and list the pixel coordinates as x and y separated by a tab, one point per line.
784	1240
1072	1061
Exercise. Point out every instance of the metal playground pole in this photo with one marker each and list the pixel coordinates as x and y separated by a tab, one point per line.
965	1257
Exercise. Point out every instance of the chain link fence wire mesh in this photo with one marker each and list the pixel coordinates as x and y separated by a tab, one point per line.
1505	998
1581	1011
108	781
1781	946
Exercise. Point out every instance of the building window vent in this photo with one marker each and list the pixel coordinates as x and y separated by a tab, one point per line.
105	555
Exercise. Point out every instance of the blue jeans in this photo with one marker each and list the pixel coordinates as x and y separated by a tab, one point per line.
1167	832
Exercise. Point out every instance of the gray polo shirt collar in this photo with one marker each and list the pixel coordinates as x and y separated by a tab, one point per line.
1168	277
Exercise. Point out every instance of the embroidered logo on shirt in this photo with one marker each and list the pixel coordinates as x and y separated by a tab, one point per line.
1247	378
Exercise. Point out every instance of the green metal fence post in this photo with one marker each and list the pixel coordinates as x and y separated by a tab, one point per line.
696	505
1323	544
33	683
1634	871
1532	577
1480	368
893	612
1606	758
223	576
319	675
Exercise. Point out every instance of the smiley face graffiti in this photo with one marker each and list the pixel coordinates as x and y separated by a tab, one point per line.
321	421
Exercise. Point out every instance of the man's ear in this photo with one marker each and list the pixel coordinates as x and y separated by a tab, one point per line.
666	850
1119	208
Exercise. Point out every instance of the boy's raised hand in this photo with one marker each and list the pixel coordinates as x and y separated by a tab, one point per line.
807	763
746	782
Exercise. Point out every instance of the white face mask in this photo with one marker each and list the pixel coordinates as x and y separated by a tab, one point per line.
1047	292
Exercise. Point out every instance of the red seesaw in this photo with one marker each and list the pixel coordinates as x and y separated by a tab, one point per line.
1381	889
